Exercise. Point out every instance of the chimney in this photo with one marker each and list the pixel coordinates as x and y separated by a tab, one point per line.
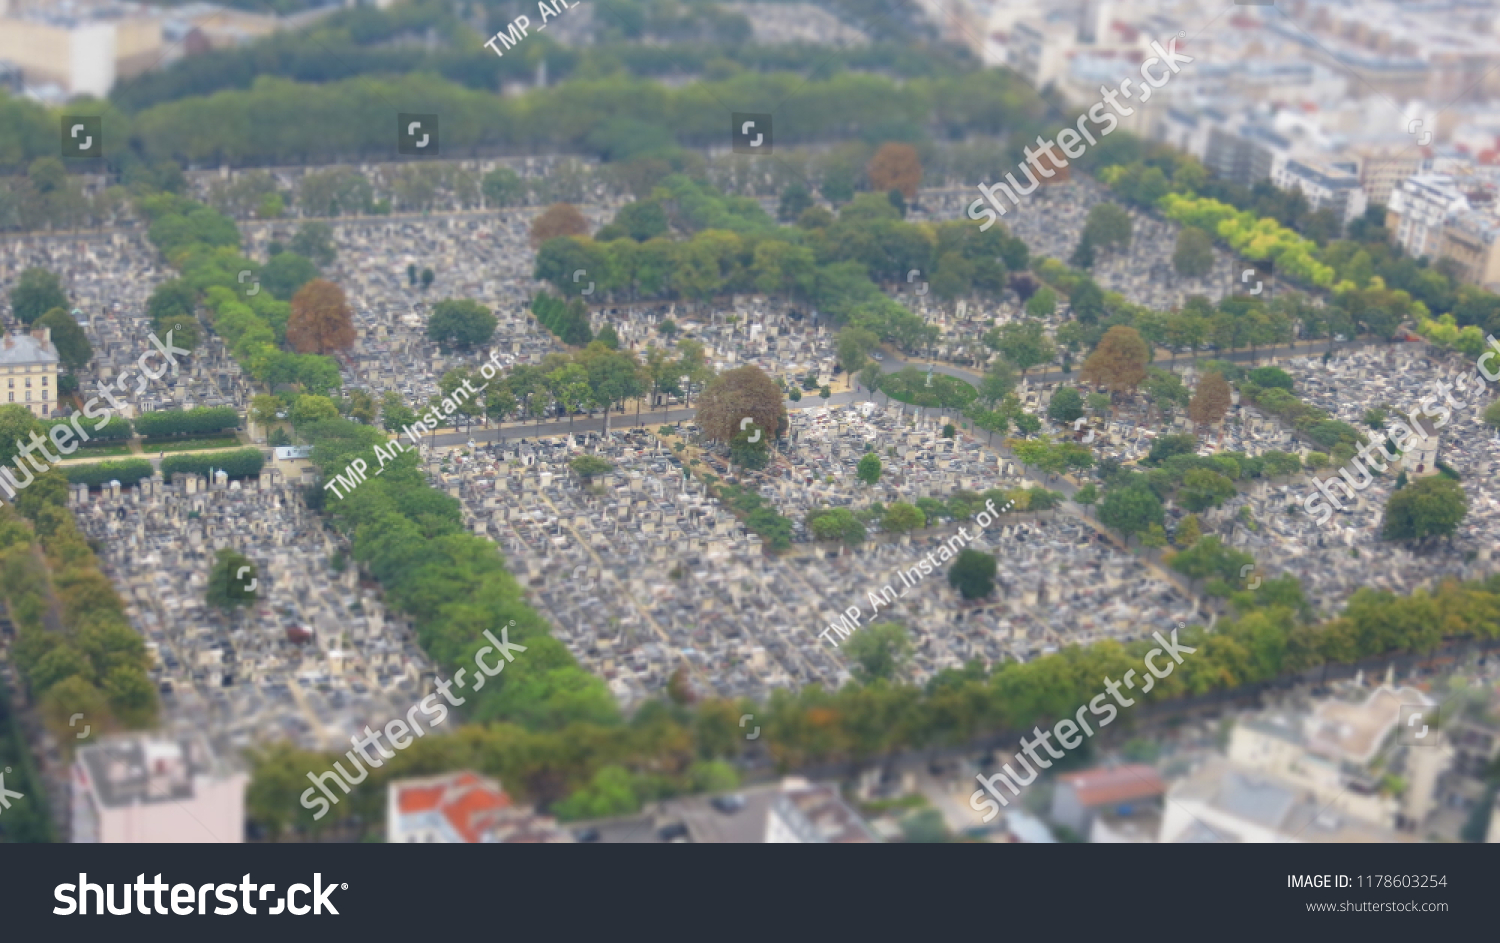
43	334
10	341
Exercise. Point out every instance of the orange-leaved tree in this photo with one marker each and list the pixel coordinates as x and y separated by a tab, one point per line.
320	320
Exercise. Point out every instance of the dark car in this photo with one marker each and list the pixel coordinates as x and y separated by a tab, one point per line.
728	804
587	834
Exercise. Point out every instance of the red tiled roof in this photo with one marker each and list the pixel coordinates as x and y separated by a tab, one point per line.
463	799
1097	787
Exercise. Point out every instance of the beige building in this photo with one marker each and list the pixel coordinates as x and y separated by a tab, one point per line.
1330	755
1383	165
85	52
28	365
1470	240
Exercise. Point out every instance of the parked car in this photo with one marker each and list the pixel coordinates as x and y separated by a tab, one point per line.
728	804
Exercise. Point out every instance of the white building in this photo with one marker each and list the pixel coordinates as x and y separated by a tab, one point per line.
1325	186
806	813
1418	210
145	788
1038	50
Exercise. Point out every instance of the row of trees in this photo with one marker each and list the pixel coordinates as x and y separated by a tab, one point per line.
237	463
201	420
367	41
1370	278
339	119
729	244
203	245
1266	640
74	646
596	377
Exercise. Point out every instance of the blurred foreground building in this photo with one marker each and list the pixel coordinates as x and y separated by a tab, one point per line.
793	811
1320	776
463	807
148	788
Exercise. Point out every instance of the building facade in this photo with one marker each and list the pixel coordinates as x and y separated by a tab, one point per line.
147	788
28	365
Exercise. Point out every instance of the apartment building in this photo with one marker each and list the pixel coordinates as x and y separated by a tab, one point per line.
28	365
150	788
1419	209
1325	185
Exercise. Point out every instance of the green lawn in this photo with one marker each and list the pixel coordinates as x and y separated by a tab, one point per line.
96	451
188	445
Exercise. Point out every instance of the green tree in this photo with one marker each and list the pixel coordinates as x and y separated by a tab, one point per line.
794	199
869	468
878	652
73	347
836	524
1024	343
610	792
394	414
1108	227
1430	507
503	187
973	574
1203	489
999	380
460	322
310	409
285	275
1194	255
314	242
901	517
264	407
1188	532
37	291
588	467
854	345
1065	406
1130	510
1043	303
1155	537
1492	414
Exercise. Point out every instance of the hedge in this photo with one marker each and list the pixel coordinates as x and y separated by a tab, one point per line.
203	419
117	428
127	472
240	463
